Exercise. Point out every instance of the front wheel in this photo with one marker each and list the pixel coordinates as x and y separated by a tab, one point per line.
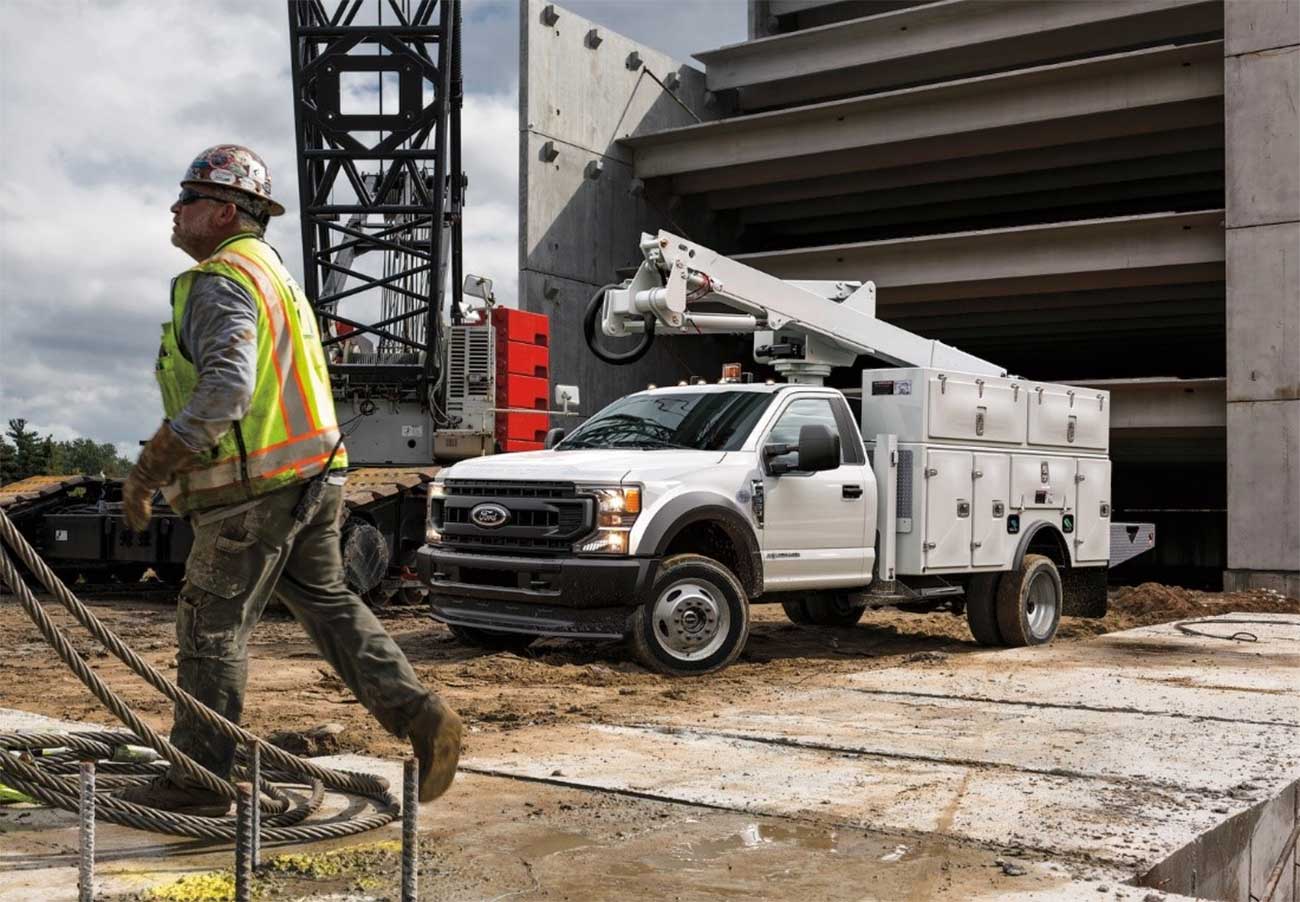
1029	602
696	619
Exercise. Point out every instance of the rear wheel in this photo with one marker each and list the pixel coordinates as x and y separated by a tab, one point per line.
823	609
1029	602
797	611
981	608
696	619
492	640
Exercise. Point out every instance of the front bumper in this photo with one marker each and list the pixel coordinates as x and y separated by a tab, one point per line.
569	596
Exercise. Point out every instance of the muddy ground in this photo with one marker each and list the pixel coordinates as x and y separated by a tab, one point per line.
555	682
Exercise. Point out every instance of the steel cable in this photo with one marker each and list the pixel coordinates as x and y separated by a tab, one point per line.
29	767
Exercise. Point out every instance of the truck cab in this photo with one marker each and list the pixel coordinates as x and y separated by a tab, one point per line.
659	520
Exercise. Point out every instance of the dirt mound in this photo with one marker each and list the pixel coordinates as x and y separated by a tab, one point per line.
1150	603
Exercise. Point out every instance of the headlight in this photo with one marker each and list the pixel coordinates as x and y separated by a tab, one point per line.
437	492
617	508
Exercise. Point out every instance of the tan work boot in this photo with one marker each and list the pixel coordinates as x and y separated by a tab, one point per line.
435	738
163	794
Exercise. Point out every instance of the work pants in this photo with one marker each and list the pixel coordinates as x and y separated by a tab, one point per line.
236	564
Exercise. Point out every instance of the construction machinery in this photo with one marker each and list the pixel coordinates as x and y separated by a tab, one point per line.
377	102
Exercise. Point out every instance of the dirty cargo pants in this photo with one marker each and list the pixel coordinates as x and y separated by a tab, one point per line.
234	567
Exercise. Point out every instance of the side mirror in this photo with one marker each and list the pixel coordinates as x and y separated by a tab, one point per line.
478	287
553	438
819	448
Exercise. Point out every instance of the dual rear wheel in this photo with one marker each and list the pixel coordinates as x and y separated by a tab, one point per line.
1017	608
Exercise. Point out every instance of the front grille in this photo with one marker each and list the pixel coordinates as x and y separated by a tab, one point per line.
545	517
484	489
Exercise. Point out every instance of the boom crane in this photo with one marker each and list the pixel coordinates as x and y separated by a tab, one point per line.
804	329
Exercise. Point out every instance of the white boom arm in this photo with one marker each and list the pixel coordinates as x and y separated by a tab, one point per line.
803	328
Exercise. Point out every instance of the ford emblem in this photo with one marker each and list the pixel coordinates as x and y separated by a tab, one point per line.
489	516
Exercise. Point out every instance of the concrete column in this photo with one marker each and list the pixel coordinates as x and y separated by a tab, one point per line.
1262	133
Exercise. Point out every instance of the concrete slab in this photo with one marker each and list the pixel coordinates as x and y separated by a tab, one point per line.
1128	93
942	40
1113	755
1104	767
1162	248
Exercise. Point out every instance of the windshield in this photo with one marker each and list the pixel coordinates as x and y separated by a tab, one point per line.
704	421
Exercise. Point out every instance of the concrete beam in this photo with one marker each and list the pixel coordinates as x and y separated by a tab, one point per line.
1103	253
1194	296
1134	176
1162	145
1144	405
1128	93
1198	189
943	40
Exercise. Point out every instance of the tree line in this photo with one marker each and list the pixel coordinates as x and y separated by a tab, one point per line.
25	453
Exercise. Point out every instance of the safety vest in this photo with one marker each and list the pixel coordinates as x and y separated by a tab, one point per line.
290	429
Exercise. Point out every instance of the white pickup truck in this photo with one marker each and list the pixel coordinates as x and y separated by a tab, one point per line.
665	515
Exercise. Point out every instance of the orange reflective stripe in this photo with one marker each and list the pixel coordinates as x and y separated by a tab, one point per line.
331	431
294	411
267	287
266	462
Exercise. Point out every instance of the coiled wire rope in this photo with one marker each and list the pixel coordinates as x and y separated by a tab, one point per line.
44	765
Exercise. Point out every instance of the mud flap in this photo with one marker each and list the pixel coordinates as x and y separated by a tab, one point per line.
1084	589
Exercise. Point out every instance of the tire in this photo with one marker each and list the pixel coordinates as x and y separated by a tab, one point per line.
492	640
823	609
1029	602
695	619
797	611
981	608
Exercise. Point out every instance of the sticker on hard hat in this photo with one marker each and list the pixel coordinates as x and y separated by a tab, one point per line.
221	176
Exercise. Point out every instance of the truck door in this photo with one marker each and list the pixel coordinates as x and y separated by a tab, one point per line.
815	524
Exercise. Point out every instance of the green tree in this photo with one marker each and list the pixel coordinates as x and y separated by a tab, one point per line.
8	462
29	450
83	455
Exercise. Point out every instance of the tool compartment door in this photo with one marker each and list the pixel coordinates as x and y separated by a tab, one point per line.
1092	511
992	481
1068	418
974	408
1042	482
947	509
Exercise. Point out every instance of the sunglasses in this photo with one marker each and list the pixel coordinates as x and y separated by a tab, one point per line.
189	196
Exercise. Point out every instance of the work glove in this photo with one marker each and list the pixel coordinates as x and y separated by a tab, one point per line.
161	460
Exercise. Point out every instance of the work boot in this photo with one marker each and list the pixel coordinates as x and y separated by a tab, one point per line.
435	738
165	795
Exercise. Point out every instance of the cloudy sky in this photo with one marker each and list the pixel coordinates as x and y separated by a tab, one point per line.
102	105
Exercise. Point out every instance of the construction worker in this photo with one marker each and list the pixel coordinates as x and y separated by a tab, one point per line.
251	451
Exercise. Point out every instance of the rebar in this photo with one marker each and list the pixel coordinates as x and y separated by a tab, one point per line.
245	804
86	834
410	829
255	778
49	781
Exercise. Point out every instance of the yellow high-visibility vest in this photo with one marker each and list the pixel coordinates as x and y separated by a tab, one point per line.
291	429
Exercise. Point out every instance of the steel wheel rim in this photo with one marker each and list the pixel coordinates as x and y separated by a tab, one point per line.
1040	604
691	620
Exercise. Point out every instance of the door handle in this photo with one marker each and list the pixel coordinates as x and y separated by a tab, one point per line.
851	491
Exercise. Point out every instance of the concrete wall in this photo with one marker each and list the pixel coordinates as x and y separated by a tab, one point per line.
580	211
1262	218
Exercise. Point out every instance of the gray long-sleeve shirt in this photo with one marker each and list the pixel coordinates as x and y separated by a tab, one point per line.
219	336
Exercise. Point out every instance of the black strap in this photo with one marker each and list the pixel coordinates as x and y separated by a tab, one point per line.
243	458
